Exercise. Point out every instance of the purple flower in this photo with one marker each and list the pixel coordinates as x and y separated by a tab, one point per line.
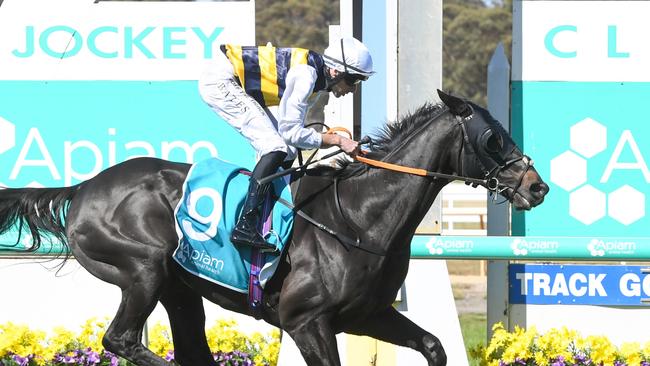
169	356
112	357
92	357
21	361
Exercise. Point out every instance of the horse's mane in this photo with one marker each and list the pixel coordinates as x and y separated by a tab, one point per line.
384	141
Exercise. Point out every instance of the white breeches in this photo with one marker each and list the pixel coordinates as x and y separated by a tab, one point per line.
219	89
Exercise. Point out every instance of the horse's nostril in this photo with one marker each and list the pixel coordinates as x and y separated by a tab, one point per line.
539	188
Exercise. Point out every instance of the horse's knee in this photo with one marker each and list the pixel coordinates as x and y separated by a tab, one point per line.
433	351
120	344
113	344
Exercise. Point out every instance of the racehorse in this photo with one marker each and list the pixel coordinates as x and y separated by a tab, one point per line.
119	225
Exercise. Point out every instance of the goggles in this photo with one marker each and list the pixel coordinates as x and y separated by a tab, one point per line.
354	79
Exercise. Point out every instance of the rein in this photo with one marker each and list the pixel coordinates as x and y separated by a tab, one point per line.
491	182
418	171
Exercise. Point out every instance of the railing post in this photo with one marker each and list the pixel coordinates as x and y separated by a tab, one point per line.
498	222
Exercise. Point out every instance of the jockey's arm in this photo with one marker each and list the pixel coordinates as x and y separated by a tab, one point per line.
293	106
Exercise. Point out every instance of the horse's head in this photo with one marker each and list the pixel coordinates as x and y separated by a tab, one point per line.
489	153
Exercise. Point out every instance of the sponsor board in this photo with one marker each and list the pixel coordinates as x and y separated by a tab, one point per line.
578	284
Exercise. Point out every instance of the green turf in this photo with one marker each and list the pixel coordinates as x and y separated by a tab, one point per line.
474	331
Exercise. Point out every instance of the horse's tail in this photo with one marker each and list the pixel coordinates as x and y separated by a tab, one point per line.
38	211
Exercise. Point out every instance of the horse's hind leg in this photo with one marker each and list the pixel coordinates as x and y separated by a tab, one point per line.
317	342
124	335
187	318
393	327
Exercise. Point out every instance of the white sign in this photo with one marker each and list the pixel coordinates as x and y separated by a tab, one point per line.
582	41
114	40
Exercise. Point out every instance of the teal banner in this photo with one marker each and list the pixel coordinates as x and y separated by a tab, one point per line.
548	248
589	141
60	133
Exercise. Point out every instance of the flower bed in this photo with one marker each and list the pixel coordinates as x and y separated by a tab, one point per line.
21	346
557	347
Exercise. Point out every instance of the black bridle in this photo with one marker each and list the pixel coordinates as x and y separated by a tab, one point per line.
490	167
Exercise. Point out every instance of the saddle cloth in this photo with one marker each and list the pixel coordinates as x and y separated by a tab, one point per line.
213	195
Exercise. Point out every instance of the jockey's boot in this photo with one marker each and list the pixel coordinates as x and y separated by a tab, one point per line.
247	230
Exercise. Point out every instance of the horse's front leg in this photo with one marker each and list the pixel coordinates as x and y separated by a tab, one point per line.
392	327
316	341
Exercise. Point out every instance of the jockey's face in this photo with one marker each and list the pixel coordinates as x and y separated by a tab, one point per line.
342	87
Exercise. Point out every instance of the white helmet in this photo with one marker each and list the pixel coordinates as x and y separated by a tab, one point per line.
349	56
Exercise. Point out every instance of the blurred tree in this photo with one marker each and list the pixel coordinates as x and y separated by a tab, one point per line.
471	32
295	23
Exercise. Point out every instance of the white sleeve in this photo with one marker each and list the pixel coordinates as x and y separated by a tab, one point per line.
293	106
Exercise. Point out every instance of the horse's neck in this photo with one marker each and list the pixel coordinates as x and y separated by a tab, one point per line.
397	202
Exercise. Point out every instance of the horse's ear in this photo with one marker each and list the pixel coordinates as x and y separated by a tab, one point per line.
456	105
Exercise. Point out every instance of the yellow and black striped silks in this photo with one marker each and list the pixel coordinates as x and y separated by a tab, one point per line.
262	70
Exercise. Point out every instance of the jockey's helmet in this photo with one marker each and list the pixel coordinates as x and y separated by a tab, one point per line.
350	57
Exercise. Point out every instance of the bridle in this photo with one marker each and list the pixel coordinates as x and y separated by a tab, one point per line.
490	180
489	170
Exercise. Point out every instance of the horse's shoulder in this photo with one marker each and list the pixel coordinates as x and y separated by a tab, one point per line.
313	181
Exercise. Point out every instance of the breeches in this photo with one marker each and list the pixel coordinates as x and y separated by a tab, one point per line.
219	89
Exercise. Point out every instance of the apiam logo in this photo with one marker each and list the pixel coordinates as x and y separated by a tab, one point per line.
439	246
588	204
524	247
97	156
599	247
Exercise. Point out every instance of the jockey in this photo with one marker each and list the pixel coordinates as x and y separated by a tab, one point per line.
242	82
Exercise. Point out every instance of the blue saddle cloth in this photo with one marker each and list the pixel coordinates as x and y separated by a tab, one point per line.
213	196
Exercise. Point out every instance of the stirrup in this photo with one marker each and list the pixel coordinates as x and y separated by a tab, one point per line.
263	245
252	239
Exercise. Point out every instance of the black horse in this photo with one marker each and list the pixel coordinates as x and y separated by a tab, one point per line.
119	225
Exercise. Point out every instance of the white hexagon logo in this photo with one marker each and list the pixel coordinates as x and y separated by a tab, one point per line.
588	137
7	135
568	170
626	205
587	204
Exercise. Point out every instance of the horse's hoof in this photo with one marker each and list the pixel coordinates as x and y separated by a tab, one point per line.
433	351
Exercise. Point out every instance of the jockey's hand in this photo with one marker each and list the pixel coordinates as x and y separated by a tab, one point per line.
348	146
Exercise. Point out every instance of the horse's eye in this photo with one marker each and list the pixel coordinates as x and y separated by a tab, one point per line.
493	142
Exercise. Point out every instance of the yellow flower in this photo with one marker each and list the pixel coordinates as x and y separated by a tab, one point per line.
556	343
20	340
602	350
646	350
160	340
92	333
62	340
631	351
501	339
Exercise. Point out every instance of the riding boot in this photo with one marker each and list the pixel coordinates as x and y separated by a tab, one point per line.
247	230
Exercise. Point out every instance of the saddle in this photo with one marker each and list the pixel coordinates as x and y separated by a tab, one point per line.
213	195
